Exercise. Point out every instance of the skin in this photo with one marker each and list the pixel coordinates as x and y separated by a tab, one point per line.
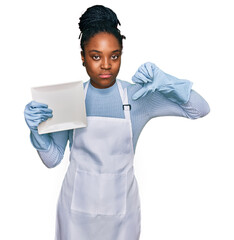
102	59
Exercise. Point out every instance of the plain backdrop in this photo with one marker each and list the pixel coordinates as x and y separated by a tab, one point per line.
184	168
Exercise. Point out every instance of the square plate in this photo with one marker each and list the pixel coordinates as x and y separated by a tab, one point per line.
67	101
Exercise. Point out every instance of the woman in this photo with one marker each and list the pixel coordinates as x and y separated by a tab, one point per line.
99	197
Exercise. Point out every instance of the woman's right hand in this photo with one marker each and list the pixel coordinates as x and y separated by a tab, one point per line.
35	113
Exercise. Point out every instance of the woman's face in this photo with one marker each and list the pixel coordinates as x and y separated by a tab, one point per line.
102	59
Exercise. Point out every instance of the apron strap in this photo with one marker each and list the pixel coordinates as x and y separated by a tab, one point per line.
86	88
123	95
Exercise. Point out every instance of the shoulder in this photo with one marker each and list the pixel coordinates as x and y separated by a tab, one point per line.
124	84
132	87
84	83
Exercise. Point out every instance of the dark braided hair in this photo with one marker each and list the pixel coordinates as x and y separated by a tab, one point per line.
98	19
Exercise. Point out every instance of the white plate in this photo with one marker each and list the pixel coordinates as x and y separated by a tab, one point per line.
68	104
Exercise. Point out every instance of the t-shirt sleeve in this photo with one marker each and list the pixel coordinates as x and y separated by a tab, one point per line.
54	155
156	104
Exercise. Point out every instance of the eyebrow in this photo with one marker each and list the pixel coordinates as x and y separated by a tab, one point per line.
101	52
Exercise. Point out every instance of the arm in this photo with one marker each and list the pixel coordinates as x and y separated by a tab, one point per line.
54	154
196	107
49	146
158	105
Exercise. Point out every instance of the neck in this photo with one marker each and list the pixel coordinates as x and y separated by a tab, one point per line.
102	86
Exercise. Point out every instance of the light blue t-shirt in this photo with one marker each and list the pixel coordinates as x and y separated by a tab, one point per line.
107	103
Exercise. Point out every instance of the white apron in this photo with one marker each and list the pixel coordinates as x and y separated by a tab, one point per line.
99	197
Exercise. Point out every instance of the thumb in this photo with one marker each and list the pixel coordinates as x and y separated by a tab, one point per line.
139	94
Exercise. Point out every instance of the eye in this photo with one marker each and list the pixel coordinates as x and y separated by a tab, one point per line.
114	57
96	57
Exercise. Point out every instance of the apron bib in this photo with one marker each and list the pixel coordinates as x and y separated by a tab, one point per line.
99	197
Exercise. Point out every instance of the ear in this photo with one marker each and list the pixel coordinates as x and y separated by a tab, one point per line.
82	56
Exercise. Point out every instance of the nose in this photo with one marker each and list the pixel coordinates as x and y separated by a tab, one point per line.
105	64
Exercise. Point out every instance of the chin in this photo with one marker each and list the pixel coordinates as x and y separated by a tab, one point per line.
104	83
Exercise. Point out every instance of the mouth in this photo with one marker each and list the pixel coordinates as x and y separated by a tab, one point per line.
105	75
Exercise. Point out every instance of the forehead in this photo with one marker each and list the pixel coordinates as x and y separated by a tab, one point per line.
103	42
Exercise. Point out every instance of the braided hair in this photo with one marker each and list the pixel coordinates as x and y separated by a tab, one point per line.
98	19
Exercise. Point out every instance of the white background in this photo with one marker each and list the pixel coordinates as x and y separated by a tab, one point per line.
184	168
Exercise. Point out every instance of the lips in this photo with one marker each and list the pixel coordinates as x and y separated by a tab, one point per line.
105	75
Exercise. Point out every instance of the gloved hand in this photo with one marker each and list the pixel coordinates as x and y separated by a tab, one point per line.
34	114
151	78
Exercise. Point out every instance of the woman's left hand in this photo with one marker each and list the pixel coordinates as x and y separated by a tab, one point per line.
151	78
146	76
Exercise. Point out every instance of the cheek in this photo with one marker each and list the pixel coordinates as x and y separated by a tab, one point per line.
117	67
92	68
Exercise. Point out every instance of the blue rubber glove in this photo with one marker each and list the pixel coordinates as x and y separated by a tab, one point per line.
152	79
34	114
